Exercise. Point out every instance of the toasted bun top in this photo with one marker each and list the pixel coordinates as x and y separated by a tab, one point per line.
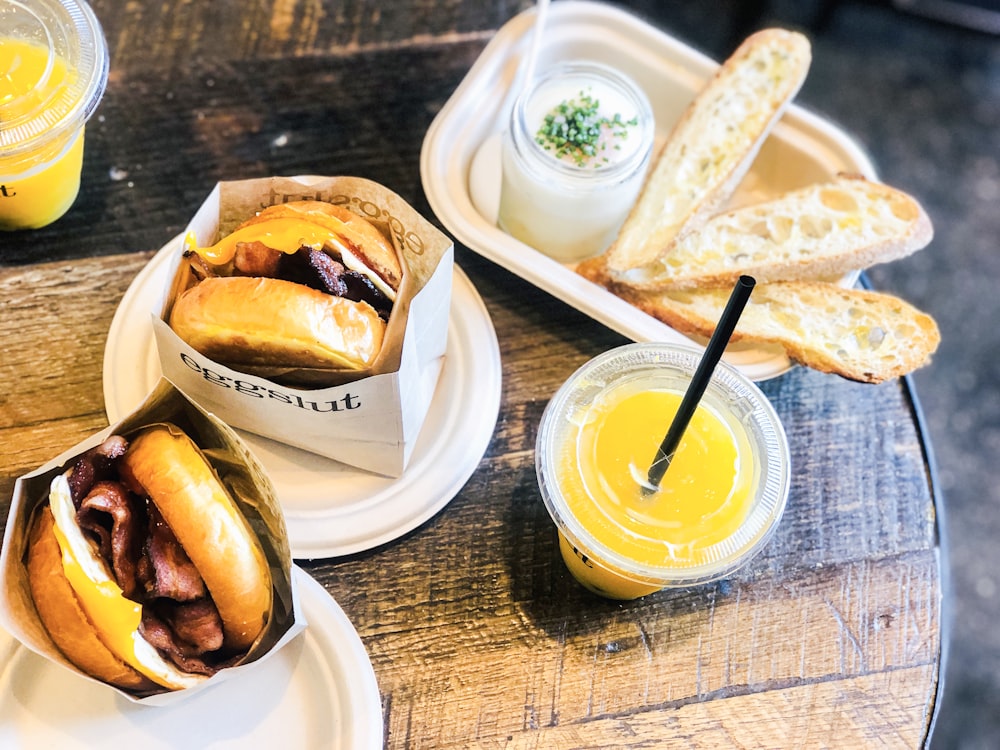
359	245
246	321
169	468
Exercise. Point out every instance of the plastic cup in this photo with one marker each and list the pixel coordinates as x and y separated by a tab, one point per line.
720	500
53	73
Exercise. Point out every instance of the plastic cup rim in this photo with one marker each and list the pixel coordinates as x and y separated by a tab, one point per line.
43	127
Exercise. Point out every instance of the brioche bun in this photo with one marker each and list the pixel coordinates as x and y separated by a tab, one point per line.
79	601
177	478
243	320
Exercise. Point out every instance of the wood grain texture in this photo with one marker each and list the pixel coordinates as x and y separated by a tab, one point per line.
171	35
478	636
475	629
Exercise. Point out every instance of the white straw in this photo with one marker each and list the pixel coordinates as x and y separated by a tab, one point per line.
541	13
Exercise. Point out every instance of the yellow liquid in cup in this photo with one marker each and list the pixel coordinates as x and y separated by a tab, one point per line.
37	186
704	497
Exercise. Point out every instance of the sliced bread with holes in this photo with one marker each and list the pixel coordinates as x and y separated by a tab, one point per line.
712	145
821	231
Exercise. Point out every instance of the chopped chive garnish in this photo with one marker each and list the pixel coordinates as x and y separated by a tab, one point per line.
575	130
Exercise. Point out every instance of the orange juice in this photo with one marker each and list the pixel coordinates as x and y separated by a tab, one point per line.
38	186
717	503
53	70
702	499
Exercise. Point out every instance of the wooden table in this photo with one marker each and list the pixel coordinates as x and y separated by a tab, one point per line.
477	635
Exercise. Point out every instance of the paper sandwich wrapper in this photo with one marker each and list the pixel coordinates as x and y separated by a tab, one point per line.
243	476
368	418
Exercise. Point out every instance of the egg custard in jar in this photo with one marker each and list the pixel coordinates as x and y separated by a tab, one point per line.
574	156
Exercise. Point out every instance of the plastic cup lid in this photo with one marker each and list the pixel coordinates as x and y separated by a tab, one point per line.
69	37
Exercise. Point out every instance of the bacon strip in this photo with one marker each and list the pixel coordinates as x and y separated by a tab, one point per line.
107	514
149	564
199	266
95	465
166	570
319	270
158	634
315	269
361	288
198	623
256	259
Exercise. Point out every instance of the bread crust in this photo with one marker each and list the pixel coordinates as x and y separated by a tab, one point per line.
676	259
64	619
858	334
241	320
177	478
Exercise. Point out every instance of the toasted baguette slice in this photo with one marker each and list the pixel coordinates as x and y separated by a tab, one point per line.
823	230
712	145
858	334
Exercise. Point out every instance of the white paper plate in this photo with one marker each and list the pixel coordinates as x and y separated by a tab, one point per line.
332	509
460	165
318	691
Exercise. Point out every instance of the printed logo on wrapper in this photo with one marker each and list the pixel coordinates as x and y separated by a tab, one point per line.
374	212
371	421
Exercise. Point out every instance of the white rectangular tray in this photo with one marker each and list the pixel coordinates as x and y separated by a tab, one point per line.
460	164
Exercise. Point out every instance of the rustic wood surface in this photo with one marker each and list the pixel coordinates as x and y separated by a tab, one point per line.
478	636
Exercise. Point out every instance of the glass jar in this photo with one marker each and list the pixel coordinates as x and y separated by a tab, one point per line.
565	200
53	72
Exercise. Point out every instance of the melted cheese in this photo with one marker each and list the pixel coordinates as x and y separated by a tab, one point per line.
102	599
284	234
288	234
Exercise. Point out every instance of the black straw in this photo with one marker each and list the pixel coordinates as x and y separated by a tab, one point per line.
702	376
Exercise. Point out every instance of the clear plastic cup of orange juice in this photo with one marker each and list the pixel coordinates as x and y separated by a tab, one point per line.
53	72
719	501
